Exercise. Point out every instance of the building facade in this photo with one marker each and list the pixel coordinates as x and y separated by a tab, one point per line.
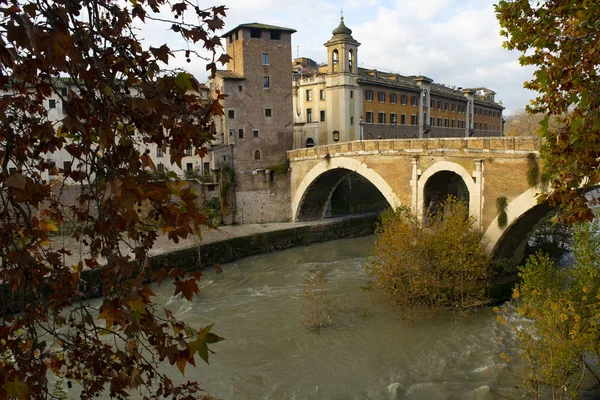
256	128
340	102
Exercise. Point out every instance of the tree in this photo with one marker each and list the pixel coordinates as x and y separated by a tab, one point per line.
520	123
439	264
561	38
561	347
119	103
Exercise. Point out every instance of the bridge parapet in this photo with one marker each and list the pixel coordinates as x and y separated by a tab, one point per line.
468	146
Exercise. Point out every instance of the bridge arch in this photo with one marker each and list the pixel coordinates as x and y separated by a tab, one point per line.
444	167
524	213
320	182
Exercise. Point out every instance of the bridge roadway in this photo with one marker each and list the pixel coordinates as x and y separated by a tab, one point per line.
405	170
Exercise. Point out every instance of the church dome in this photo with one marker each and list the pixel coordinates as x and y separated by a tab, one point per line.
342	29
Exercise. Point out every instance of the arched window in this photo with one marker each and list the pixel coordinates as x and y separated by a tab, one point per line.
350	60
310	142
335	58
257	155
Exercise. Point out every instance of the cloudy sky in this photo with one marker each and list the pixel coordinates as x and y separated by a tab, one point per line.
455	42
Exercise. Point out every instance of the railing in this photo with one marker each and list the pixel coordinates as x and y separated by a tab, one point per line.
411	146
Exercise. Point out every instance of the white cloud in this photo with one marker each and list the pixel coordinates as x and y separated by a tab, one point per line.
453	42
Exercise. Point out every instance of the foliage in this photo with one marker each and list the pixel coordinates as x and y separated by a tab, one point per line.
442	265
281	168
560	39
520	123
562	346
316	305
533	170
551	237
212	208
501	204
118	103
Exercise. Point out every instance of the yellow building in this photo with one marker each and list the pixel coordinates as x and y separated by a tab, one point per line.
340	102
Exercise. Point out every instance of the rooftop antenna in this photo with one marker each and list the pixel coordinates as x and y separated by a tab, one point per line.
342	13
297	51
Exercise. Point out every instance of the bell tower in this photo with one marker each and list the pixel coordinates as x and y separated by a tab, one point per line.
344	98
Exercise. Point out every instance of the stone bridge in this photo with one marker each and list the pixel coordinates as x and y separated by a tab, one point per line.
420	172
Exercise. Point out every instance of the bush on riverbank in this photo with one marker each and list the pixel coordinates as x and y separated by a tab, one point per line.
562	346
439	264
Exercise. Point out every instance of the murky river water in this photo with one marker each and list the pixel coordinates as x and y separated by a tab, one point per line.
368	352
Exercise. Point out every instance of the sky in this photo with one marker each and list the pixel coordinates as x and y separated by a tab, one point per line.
454	42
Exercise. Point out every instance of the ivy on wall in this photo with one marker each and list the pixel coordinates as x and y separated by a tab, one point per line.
501	204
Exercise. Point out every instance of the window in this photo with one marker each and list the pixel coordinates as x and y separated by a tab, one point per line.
403	99
255	133
309	115
413	101
159	152
480	111
275	35
237	35
188	151
255	33
485	127
439	122
446	122
240	88
475	112
393	118
257	154
453	107
308	95
446	106
431	104
485	113
310	142
322	115
160	167
206	168
267	112
431	121
231	132
439	105
413	119
453	123
265	58
67	165
351	120
266	82
352	94
231	114
322	95
241	133
368	95
52	103
425	119
403	119
381	97
369	117
393	98
381	118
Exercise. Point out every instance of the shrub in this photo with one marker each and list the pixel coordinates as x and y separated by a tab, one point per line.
316	305
562	346
442	265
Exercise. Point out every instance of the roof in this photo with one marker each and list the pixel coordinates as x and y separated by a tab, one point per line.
229	75
259	26
342	29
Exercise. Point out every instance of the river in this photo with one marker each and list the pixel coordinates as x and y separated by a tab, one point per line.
368	351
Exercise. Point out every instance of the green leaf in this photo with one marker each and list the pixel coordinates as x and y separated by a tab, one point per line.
183	80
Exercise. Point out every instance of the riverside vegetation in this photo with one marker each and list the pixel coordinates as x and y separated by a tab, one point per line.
438	263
